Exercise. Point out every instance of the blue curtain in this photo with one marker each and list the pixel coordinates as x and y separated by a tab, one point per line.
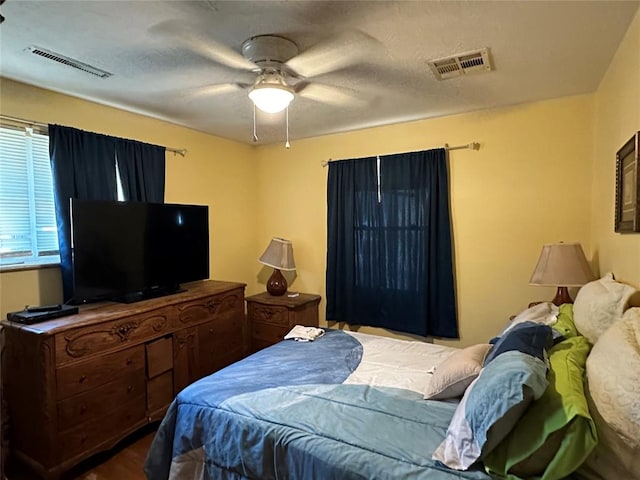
142	170
83	167
389	245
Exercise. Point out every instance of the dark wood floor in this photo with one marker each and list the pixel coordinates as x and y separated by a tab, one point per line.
123	462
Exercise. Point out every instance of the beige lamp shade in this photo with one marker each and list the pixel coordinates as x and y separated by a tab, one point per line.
279	254
562	265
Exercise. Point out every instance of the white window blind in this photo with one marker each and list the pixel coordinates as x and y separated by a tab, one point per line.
28	233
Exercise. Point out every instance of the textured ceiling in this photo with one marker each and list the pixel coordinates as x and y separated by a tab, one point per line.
371	70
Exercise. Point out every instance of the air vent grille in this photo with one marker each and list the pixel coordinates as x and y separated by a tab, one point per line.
462	64
70	62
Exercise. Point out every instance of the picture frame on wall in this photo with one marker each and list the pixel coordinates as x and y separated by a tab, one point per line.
627	217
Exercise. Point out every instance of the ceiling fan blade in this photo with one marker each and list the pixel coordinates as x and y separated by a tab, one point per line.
192	94
189	37
212	90
341	97
343	50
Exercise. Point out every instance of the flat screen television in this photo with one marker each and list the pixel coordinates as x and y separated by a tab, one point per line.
129	251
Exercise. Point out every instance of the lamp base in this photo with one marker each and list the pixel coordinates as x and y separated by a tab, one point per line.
562	296
277	284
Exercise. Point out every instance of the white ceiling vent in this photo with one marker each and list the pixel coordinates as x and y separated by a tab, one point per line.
70	62
463	64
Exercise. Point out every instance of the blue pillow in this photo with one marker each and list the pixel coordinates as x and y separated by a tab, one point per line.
526	337
490	408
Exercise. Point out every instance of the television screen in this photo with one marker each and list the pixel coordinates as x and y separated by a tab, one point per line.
128	251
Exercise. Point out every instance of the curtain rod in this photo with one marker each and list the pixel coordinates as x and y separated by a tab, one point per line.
180	151
468	146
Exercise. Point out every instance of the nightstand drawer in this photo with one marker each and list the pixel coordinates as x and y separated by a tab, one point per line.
270	314
268	333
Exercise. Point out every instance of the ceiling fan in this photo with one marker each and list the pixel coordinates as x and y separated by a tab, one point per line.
281	72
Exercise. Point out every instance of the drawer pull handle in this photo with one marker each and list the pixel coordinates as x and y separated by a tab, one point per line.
129	361
129	389
211	330
84	439
83	409
82	378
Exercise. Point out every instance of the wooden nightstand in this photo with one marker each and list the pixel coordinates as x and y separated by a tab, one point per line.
271	318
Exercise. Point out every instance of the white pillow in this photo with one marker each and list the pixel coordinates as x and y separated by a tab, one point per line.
612	457
613	373
544	312
452	377
599	304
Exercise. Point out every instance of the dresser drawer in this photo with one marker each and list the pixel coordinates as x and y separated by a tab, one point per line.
207	308
159	391
85	376
88	435
220	343
80	342
159	356
97	403
268	313
267	333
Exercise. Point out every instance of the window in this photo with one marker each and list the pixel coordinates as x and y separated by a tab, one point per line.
389	258
386	257
28	232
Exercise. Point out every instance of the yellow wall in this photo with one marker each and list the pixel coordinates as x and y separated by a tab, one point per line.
617	118
544	173
215	172
528	184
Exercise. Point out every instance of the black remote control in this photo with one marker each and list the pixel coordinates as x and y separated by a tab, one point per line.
43	308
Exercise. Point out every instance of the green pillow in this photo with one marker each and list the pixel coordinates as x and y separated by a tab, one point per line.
564	325
556	433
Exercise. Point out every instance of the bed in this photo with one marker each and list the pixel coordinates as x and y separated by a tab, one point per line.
355	406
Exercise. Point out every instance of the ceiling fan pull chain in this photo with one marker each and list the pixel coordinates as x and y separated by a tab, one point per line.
255	136
287	144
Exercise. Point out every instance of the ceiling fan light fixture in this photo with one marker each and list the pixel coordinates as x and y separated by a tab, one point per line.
271	98
271	94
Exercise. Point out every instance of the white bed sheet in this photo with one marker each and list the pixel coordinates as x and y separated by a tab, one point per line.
387	362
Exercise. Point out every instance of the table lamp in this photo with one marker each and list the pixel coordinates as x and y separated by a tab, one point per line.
562	265
279	255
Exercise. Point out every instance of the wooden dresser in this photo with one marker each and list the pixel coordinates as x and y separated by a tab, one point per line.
270	318
77	385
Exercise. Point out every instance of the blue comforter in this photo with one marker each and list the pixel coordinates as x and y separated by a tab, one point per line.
284	413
